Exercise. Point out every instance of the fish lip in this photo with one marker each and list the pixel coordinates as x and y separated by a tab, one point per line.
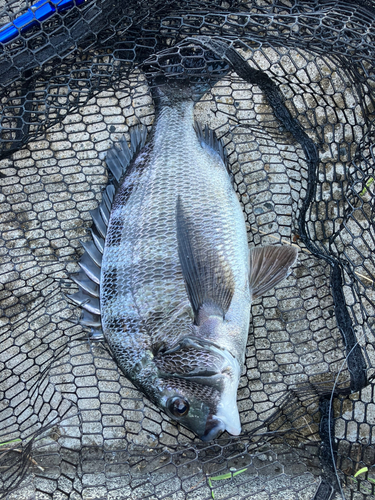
227	410
212	431
215	425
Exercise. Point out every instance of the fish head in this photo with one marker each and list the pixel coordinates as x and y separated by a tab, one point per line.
199	390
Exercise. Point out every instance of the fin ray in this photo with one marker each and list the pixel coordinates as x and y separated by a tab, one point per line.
268	266
104	212
107	200
208	279
89	319
86	301
98	240
89	286
98	221
90	268
208	137
93	252
110	191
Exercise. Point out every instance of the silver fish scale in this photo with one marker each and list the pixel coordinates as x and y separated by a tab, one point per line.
191	389
185	360
142	285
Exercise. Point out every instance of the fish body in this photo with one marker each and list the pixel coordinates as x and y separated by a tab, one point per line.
148	293
177	277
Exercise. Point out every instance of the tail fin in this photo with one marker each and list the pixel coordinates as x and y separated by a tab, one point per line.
182	72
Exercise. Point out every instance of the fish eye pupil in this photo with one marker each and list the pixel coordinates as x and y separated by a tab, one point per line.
179	407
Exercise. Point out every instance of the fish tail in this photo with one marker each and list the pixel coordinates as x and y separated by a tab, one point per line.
185	71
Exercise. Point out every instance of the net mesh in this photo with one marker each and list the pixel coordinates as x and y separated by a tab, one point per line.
299	133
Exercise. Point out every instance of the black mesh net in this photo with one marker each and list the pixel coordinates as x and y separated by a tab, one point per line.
298	125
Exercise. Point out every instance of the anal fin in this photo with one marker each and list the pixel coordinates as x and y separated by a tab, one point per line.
268	266
208	137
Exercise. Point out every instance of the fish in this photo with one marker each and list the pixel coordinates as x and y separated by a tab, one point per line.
169	277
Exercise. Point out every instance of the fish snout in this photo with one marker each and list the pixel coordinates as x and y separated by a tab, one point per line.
213	427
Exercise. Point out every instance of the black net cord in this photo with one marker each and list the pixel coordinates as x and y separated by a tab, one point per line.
24	115
355	359
325	491
329	484
92	19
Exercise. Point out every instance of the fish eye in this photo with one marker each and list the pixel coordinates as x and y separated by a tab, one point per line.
179	407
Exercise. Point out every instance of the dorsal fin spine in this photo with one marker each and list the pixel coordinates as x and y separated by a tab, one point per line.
88	279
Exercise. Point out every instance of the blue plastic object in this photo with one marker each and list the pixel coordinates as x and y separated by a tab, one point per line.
33	16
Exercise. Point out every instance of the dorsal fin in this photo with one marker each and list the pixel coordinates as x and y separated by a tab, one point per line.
119	157
88	279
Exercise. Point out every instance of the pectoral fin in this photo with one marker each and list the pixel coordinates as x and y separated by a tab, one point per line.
208	278
268	266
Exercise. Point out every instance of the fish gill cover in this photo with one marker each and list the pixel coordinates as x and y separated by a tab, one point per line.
297	123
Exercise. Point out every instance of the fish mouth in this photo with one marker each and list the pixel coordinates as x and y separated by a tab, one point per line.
226	417
215	425
223	376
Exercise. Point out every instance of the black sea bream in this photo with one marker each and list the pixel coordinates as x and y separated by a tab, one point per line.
177	277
